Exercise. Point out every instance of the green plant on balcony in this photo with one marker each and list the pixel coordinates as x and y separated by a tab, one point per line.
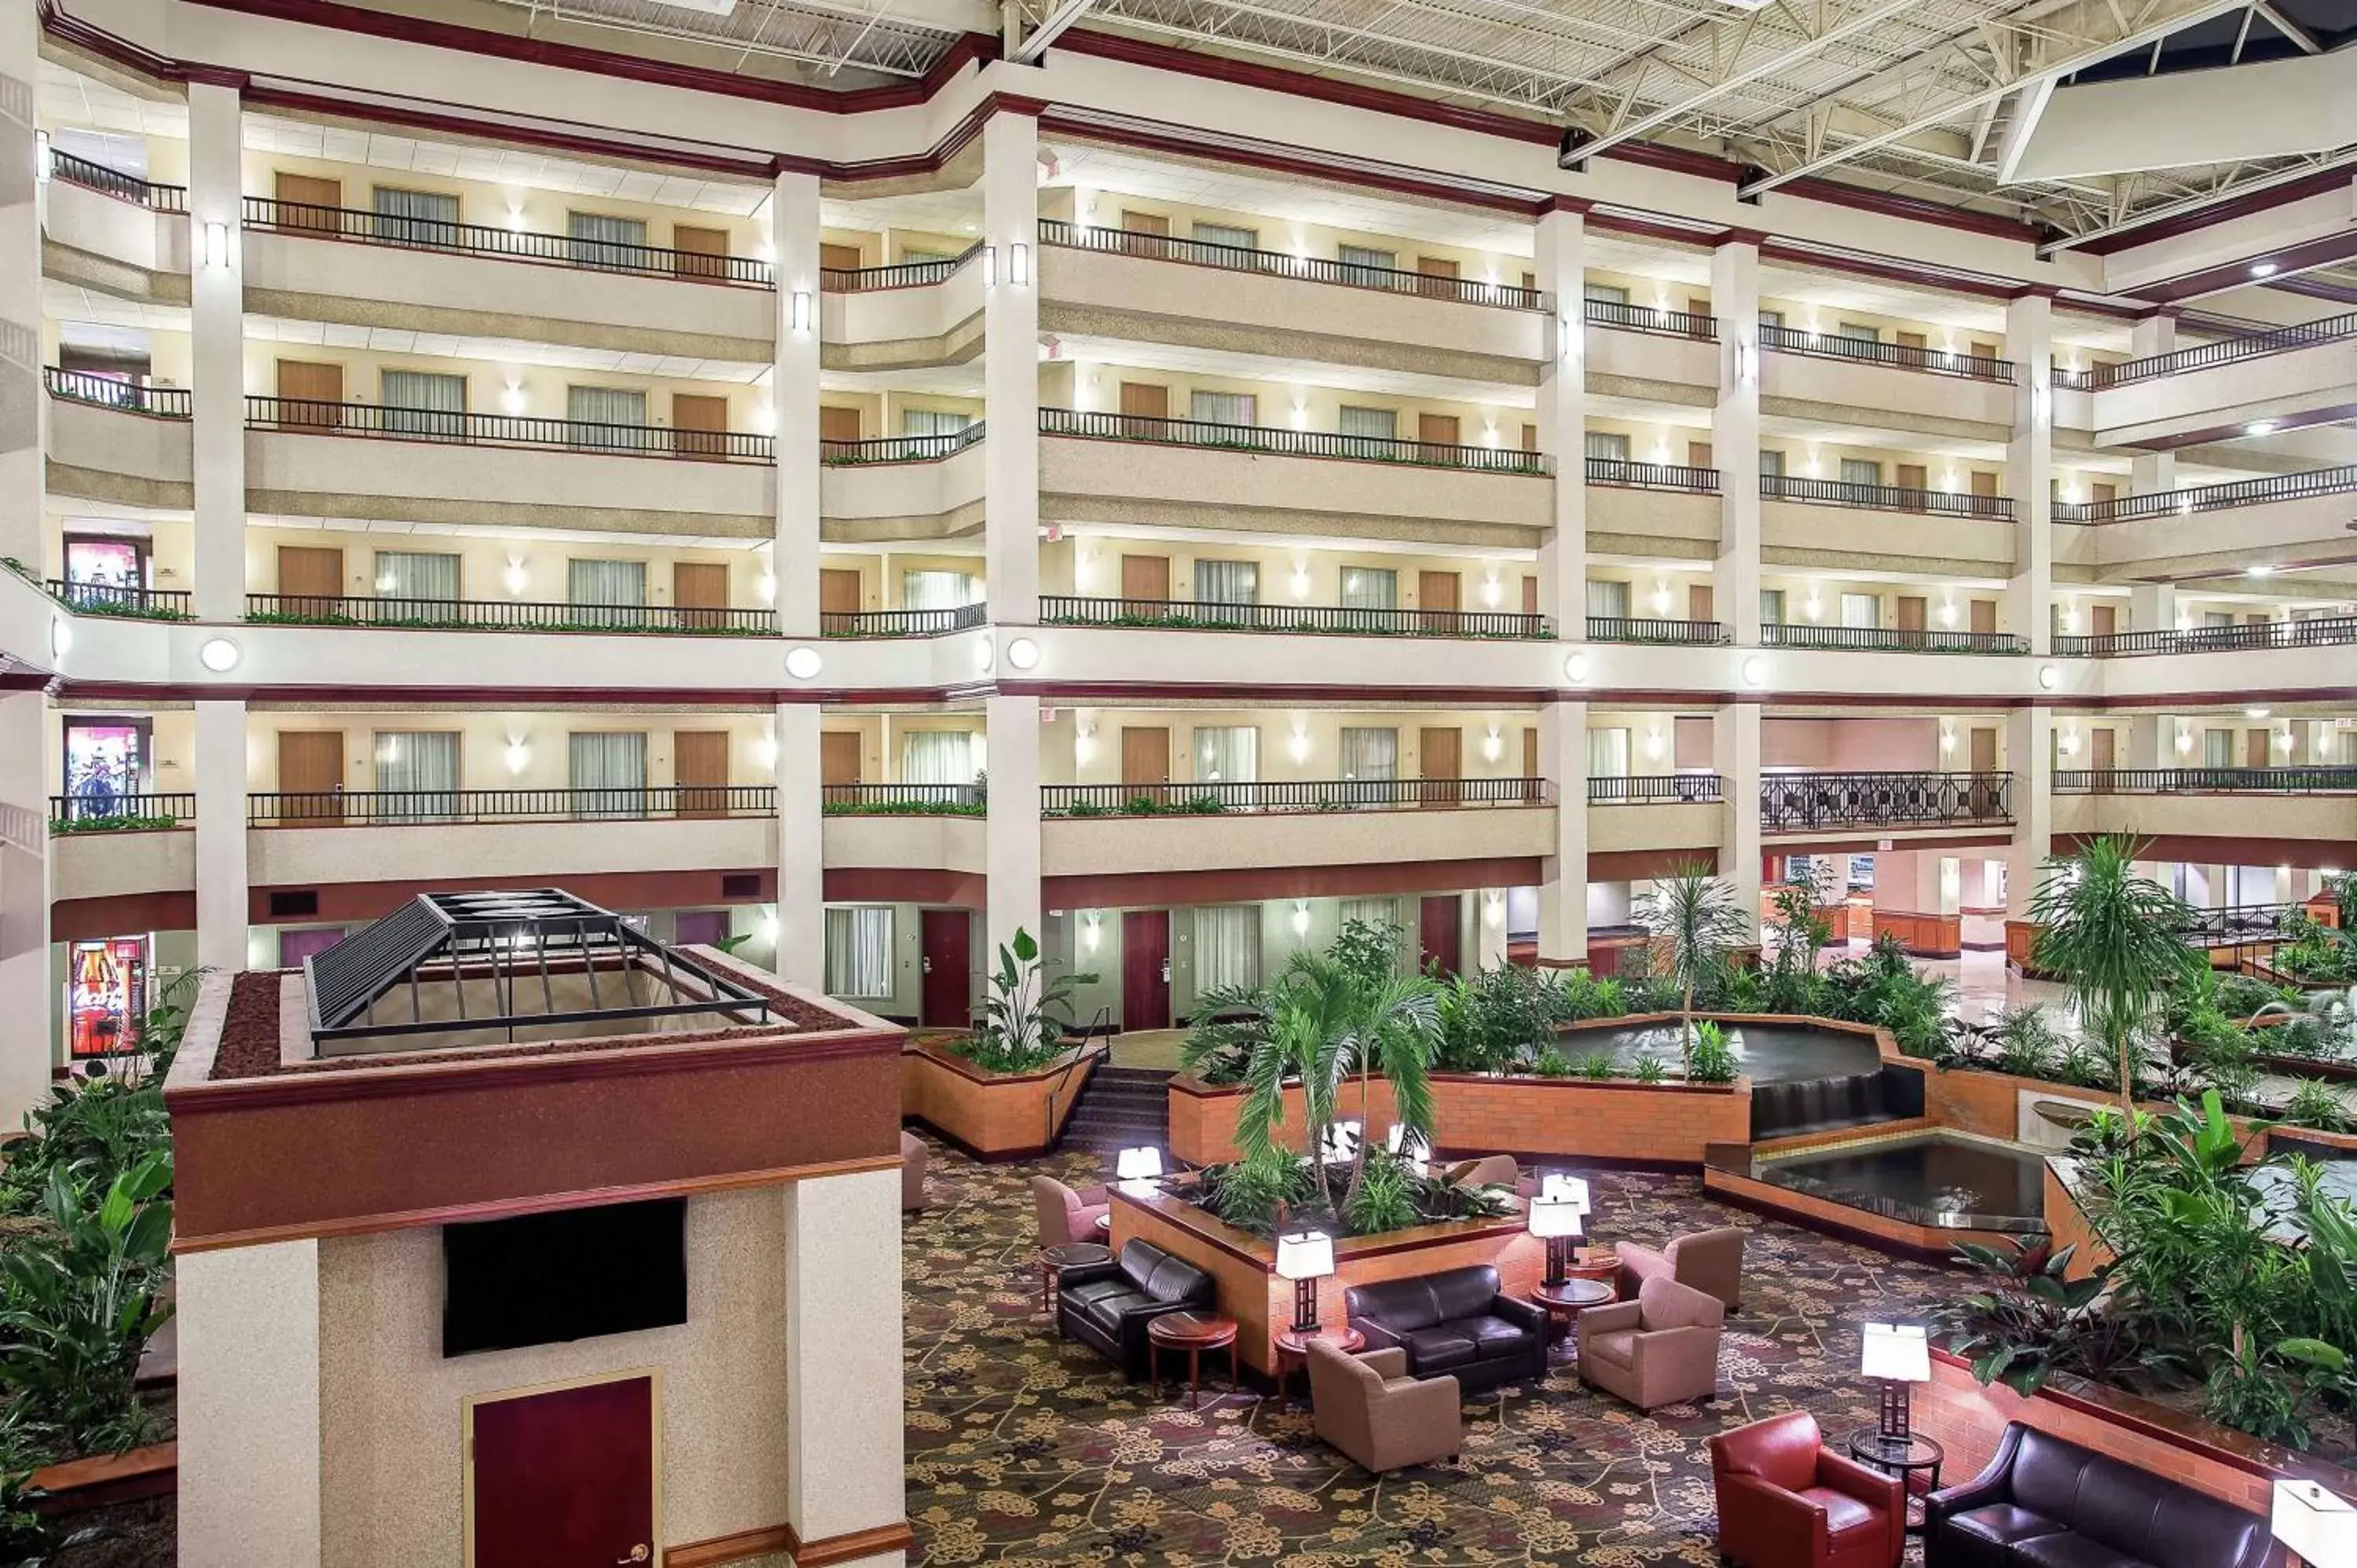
976	807
1597	1065
114	822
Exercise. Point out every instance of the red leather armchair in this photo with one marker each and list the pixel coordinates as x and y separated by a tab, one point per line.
1785	1501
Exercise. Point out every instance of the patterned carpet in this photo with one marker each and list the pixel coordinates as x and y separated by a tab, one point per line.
1025	1449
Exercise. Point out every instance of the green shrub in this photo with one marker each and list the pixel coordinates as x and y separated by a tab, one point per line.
1552	1063
2027	1043
2316	1104
1597	1063
1650	1069
1385	1197
1712	1060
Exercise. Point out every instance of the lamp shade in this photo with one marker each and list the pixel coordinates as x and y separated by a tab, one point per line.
1554	1216
1900	1352
1571	1189
2317	1526
1305	1255
1342	1139
1404	1139
1138	1165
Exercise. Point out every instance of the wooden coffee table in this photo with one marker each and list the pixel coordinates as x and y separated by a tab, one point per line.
1293	1349
1569	1300
1054	1260
1193	1332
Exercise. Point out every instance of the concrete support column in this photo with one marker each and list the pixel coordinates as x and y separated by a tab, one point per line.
2029	753
1561	275
2152	606
1735	445
28	1043
1011	828
1010	370
1563	872
793	403
222	893
2152	471
20	300
249	1404
801	890
2029	469
217	355
844	1476
1735	754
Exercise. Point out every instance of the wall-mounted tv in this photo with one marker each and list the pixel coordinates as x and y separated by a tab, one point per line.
571	1274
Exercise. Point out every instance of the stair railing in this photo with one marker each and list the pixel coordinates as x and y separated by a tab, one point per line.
1099	1030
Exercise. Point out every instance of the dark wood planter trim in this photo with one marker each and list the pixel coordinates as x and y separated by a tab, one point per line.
77	1486
1217	1233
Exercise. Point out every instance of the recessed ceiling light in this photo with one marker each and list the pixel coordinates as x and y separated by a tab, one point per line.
2254	712
2259	571
2259	427
2263	269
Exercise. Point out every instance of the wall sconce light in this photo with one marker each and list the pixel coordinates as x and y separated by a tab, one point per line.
1492	590
765	588
1490	433
1947	735
801	313
1299	583
1300	412
765	752
1660	591
2184	736
1654	745
1092	930
2042	400
216	244
516	578
1810	463
2283	738
1301	917
1567	330
2070	742
1019	265
1084	744
515	217
1948	611
1747	363
1297	746
217	655
41	160
512	399
517	756
1493	744
990	266
60	637
764	419
1493	909
1813	606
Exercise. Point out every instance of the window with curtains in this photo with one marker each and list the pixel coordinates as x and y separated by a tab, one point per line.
1227	754
1608	601
936	757
417	771
1382	914
1608	754
1368	423
921	590
611	417
859	950
424	581
1858	332
917	256
1225	234
1861	610
1771	606
1370	588
2217	618
2345	749
1224	408
1604	292
419	403
598	241
1771	465
932	422
612	592
1369	756
1861	471
608	773
1227	946
1227	581
1607	445
2217	748
1366	266
415	217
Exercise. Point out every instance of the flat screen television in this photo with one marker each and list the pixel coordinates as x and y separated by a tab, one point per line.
541	1278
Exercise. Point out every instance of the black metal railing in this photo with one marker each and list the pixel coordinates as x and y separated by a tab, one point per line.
111	812
2239	925
903	800
1889	638
1790	801
1210	614
2211	498
123	186
1651	475
1883	498
1623	629
280	807
504	615
451	426
2322	631
1287	443
2296	780
1281	263
2074	378
903	623
904	275
898	448
508	244
1646	318
1654	789
2224	351
1873	351
121	599
114	392
1292	795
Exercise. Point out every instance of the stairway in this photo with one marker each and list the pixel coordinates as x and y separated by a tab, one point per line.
1120	1108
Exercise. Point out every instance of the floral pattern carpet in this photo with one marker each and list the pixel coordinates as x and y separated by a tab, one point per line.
1026	1449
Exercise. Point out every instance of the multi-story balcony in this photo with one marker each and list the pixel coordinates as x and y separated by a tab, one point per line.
1624	629
1804	371
1635	347
119	441
2319	631
1655	789
904	800
504	615
1907	529
2307	805
2213	388
903	623
1889	639
116	392
1807	802
375	808
2280	517
1654	812
1780	339
1883	498
901	316
117	814
1214	798
115	229
2309	779
1633	508
126	600
1205	615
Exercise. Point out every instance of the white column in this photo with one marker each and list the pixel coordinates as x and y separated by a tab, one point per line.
1489	927
27	1044
2029	754
1010	370
802	825
1735	442
217	354
793	403
222	899
1735	754
843	1359
21	302
1011	827
1561	273
2152	606
2152	471
1563	874
249	1406
2029	469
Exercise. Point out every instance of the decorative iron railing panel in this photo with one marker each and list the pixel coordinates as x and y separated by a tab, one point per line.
1655	789
1281	263
1621	629
898	448
1888	640
2323	632
1651	475
110	600
369	228
2211	498
309	417
113	391
280	807
504	615
1260	438
2225	351
903	623
1872	351
2319	779
1798	801
1204	615
123	186
1287	795
1883	498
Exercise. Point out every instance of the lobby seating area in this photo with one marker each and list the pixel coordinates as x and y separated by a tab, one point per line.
1457	1323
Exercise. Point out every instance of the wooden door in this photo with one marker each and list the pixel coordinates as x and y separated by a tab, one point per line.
1437	429
2103	750
1914	480
1436	595
309	202
2254	748
313	578
840	752
1699	455
1983	483
1145	969
562	1477
1146	758
1442	755
1440	932
839	258
837	425
946	941
311	771
1911	612
1440	268
699	425
1145	223
700	591
2103	620
1984	749
2103	492
1146	578
699	252
1984	350
699	762
838	595
1700	602
311	394
1144	399
1985	616
1530	596
1530	437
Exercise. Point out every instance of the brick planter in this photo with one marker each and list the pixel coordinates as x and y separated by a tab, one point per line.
991	1115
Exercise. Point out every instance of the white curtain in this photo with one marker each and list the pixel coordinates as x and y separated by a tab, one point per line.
1608	599
613	590
2217	748
859	950
1861	471
598	241
936	590
416	575
936	757
415	217
932	422
1861	610
613	766
421	402
1375	424
1771	606
1605	292
1225	234
1227	755
1366	266
1227	581
1608	754
610	416
1370	588
1771	465
1227	946
1224	408
421	767
1608	446
1370	755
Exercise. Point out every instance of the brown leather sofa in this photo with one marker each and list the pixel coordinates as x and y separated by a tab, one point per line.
2046	1503
1067	1216
1708	1260
1787	1501
1108	1305
1457	1323
1661	1349
1379	1417
912	1173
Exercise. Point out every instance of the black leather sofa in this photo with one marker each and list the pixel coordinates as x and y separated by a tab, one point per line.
2046	1503
1455	1325
1108	1305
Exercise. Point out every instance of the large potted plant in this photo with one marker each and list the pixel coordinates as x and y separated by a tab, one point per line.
2115	938
1026	1015
1696	923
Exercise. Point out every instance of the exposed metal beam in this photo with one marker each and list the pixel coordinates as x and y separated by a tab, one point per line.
1051	28
2301	38
2029	108
2283	175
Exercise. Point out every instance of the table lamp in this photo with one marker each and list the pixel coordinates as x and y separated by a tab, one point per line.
1555	1219
1899	1354
1305	1258
2316	1526
1138	1168
1342	1140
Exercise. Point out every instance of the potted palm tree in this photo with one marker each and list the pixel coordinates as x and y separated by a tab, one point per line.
1695	921
2115	938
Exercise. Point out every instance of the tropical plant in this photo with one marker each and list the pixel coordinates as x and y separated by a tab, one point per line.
1597	1063
2028	1319
2113	936
1694	920
1552	1063
2027	1043
1492	1021
1255	1192
1648	1068
2316	1104
1385	1196
1026	1014
1710	1059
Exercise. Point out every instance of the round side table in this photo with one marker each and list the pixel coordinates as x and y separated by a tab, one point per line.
1567	1301
1054	1260
1292	1351
1193	1332
1902	1457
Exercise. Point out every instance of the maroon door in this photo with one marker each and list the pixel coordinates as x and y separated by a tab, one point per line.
564	1478
1145	969
946	939
1438	931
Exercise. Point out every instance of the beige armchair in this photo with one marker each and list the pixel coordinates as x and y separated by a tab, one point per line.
1379	1417
912	1173
1661	1349
1708	1260
1067	1216
1489	1170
